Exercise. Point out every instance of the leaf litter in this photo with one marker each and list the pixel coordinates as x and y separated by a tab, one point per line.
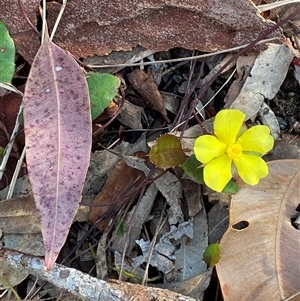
57	125
268	244
141	218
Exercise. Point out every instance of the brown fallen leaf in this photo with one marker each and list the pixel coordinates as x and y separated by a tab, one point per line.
169	24
26	40
142	83
122	180
19	215
131	115
192	287
243	65
284	149
9	107
192	196
206	25
260	260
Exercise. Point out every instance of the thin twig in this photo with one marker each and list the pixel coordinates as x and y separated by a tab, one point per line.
10	144
188	92
44	26
292	297
15	175
131	225
189	58
265	7
212	98
152	244
58	19
26	17
199	110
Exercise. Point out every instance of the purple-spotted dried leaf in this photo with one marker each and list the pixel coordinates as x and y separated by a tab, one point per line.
57	124
167	152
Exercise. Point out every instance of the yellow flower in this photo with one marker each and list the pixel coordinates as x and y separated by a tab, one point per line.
233	144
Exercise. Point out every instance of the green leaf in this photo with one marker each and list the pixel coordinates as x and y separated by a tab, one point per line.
192	168
7	55
231	186
212	254
1	154
120	227
103	88
167	152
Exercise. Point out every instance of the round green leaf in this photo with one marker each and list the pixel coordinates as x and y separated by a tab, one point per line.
7	55
167	152
103	87
212	254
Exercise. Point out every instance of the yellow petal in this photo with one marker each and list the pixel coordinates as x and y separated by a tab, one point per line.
257	139
208	147
227	125
251	168
217	173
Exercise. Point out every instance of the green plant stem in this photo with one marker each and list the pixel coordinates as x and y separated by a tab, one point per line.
6	283
133	276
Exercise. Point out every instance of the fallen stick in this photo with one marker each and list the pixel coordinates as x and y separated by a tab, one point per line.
84	286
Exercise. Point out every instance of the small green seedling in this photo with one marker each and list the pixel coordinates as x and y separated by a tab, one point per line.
167	152
212	254
103	88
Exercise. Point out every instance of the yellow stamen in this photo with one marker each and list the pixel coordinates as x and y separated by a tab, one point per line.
234	151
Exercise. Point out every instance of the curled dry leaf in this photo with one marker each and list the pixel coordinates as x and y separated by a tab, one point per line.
142	83
268	118
261	261
244	64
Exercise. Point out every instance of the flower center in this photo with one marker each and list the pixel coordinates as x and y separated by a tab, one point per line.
234	151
